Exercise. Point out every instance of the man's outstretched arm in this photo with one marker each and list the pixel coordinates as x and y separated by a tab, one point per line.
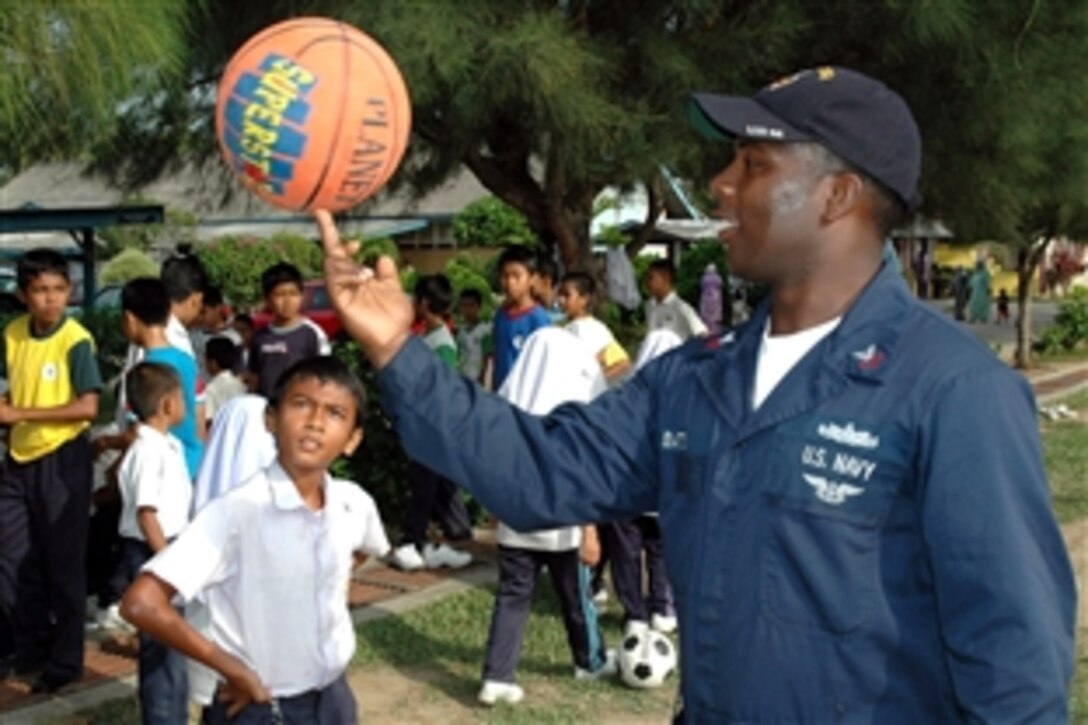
582	463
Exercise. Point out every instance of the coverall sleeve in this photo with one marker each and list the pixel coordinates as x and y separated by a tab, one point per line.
1005	590
582	463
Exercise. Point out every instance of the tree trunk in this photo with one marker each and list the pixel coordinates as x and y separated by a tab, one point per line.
1027	260
568	226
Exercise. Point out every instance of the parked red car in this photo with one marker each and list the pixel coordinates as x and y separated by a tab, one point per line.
315	305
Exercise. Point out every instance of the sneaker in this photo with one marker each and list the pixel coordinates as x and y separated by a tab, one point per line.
663	623
600	597
436	557
636	627
608	669
406	558
110	618
494	692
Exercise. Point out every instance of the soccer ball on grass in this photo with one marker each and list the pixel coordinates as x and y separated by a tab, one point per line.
646	658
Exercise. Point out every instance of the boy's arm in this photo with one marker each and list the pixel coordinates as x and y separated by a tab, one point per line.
147	606
148	520
85	407
86	382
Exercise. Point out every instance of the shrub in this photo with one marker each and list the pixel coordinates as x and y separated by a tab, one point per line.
491	222
1070	326
464	272
379	465
129	264
104	324
235	264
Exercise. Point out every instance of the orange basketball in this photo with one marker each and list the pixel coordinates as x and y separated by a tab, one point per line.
312	114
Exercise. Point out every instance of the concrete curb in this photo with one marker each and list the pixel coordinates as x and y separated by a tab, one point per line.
62	707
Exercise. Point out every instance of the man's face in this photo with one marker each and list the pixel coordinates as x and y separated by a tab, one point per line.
314	424
285	301
769	192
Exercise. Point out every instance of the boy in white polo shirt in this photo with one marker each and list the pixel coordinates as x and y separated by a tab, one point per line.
273	560
155	497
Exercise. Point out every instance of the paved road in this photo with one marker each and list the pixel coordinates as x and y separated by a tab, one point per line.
1042	315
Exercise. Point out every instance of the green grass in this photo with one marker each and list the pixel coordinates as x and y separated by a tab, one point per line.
447	641
1065	447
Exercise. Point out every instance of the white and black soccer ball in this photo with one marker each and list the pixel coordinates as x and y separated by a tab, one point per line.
646	658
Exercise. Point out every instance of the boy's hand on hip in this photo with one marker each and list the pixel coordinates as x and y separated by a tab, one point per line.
370	302
242	689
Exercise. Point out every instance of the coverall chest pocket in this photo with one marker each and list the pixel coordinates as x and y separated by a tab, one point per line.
827	494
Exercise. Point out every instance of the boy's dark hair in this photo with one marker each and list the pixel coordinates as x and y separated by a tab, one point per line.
245	319
519	254
222	351
581	281
147	384
663	266
546	268
146	298
472	294
436	291
280	273
213	296
325	369
183	275
37	262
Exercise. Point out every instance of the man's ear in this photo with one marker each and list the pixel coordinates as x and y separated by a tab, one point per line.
353	442
847	193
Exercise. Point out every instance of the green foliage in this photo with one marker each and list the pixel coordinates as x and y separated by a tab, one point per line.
105	326
371	249
465	272
491	222
693	264
235	264
1070	327
611	236
69	67
129	264
379	464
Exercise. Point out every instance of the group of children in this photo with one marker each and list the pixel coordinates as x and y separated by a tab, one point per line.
265	530
543	348
228	546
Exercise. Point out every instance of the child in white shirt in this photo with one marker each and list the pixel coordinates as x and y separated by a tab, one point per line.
221	356
576	295
155	496
273	560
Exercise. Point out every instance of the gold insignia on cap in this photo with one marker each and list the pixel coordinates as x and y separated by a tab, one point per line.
825	73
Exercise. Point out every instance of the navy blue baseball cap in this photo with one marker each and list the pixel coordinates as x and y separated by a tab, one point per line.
857	118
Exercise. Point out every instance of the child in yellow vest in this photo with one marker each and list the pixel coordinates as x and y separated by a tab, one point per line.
45	490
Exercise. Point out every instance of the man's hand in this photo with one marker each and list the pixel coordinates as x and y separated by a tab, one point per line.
242	689
371	304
